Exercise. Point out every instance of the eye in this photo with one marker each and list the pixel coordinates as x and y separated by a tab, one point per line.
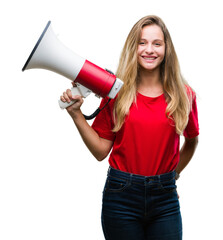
141	43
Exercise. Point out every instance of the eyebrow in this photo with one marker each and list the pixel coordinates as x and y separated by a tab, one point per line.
143	39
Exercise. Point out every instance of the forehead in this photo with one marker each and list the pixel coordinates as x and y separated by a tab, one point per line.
151	32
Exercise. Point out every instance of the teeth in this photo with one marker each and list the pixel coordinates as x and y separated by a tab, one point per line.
149	58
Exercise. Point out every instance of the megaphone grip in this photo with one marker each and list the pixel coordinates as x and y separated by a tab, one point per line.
64	105
75	91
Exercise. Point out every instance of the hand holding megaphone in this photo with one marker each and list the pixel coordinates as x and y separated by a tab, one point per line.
77	89
71	97
50	54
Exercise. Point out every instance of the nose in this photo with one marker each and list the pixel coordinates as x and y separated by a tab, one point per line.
149	49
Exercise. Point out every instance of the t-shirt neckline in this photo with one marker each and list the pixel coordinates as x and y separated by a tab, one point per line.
148	97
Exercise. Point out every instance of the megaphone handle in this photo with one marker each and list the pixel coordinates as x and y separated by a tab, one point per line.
74	91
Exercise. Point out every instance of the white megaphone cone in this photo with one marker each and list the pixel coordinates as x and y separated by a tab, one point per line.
50	54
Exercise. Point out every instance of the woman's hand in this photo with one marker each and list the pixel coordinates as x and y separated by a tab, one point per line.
78	101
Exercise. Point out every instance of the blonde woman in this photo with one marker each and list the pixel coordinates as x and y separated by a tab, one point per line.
142	127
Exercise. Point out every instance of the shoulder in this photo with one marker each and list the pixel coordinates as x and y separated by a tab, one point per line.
111	101
190	91
107	106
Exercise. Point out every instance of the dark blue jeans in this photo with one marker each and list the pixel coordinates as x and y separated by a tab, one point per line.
137	207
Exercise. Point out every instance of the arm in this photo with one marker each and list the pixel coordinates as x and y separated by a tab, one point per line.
186	153
98	146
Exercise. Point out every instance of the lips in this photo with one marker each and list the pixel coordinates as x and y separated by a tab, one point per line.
149	59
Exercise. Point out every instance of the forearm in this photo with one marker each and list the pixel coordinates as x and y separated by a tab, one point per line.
186	153
89	136
99	147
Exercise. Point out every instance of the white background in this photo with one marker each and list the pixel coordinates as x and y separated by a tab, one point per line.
50	185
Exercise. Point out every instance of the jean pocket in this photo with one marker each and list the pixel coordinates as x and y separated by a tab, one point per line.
114	184
168	186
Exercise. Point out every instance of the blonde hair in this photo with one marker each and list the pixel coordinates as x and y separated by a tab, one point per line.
177	95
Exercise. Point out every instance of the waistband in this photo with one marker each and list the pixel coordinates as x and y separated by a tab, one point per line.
140	178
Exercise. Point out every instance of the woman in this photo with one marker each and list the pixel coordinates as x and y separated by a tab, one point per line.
142	127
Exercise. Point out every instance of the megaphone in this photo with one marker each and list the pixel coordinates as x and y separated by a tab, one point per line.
50	54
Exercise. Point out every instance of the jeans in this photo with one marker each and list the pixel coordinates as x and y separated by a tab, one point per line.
137	207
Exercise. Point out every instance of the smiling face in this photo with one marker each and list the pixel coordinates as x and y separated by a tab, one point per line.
151	48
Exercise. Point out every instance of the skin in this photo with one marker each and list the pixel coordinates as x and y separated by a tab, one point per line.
151	52
98	146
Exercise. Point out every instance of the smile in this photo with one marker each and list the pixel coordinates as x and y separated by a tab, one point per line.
149	58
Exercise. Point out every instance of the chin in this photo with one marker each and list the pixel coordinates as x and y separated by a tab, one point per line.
149	68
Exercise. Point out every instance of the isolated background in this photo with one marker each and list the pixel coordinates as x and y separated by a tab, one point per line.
50	185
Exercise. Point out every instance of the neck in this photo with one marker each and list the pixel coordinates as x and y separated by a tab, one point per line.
150	80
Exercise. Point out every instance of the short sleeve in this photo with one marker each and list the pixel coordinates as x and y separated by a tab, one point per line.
192	129
103	123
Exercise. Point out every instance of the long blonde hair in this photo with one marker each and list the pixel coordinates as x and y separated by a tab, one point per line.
177	95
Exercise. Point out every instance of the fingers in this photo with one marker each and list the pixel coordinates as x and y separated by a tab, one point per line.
67	96
77	98
64	97
76	105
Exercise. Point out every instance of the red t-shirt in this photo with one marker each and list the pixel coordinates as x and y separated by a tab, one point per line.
147	144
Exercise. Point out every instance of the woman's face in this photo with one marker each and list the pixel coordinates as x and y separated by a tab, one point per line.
151	48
